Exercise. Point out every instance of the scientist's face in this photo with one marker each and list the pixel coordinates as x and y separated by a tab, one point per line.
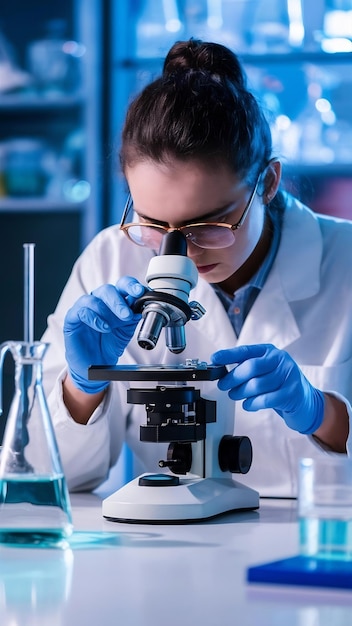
181	193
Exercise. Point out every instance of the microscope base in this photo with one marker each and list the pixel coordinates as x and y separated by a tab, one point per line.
193	499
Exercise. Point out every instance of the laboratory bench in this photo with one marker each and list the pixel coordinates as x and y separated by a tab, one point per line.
157	575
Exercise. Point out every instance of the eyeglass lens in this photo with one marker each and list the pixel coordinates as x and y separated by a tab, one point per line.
207	236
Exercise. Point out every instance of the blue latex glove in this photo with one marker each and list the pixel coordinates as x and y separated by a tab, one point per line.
98	328
265	377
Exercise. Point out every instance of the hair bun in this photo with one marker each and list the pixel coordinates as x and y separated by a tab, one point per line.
213	58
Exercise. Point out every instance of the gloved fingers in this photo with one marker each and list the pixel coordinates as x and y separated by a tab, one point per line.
116	299
93	312
97	316
106	305
130	288
85	310
270	400
240	354
254	387
262	372
265	377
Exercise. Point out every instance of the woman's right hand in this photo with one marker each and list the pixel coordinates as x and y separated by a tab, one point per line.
98	328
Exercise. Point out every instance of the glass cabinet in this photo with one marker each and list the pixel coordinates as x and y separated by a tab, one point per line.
49	105
298	59
50	150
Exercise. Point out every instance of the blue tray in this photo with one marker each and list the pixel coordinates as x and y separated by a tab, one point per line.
304	571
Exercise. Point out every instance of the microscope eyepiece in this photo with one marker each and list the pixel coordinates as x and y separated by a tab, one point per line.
174	242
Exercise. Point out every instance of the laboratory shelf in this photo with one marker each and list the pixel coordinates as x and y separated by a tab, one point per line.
317	169
38	205
282	58
35	102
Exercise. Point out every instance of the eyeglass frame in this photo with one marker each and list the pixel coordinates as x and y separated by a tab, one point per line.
232	227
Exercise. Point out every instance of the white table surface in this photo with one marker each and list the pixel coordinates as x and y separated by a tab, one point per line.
164	575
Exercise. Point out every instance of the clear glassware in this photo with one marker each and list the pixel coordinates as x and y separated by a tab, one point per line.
54	62
34	500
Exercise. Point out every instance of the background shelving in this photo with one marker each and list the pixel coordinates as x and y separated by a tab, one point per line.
291	74
51	165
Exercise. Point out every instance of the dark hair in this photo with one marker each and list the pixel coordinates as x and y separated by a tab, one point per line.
199	108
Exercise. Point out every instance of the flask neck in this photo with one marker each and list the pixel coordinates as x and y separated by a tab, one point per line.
28	358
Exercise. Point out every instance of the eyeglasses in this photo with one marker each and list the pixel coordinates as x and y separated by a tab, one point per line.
212	235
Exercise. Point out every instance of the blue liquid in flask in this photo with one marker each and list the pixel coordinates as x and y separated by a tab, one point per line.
34	510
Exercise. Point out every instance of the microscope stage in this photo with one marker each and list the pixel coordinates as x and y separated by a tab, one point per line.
193	499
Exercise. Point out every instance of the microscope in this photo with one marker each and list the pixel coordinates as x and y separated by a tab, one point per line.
194	482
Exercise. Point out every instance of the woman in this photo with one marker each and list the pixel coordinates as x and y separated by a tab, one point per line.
274	279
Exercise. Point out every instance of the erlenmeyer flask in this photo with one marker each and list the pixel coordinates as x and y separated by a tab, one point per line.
34	500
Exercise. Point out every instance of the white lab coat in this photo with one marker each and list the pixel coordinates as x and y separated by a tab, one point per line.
305	308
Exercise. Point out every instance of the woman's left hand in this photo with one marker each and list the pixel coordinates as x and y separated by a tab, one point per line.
266	377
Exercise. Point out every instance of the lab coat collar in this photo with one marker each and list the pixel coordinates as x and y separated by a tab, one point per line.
300	252
295	275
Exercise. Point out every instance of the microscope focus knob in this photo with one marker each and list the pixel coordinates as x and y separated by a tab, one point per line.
235	454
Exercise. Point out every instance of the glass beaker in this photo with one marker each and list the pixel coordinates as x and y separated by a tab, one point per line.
34	500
